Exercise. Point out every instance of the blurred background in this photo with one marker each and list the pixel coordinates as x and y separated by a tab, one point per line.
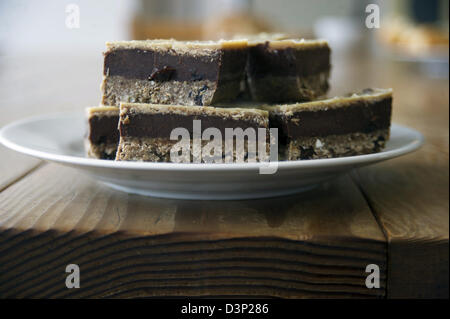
51	50
43	26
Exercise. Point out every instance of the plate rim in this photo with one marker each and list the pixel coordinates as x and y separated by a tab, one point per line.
130	165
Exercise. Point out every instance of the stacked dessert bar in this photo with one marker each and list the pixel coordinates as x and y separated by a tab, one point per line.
150	88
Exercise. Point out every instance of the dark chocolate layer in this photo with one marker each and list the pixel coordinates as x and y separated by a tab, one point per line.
166	66
359	117
161	125
264	60
103	129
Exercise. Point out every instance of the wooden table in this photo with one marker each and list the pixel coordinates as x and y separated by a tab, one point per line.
316	244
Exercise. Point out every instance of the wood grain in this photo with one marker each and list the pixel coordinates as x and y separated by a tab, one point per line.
410	199
311	245
133	246
14	166
33	85
409	195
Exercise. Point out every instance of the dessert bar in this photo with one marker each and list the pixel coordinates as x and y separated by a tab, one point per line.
102	134
342	126
282	71
173	72
146	132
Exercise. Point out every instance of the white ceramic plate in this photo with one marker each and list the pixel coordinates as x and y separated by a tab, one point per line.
59	138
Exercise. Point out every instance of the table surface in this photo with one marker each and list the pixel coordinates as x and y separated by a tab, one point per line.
394	214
